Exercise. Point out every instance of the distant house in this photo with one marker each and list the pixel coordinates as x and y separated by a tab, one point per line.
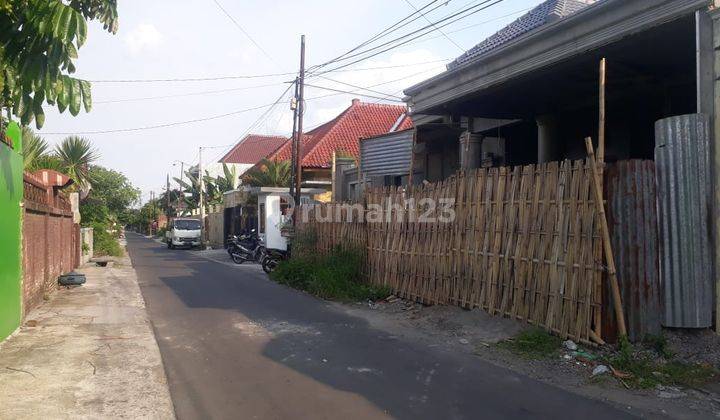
249	151
341	136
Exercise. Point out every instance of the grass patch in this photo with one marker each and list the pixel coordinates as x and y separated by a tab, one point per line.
337	276
647	371
534	343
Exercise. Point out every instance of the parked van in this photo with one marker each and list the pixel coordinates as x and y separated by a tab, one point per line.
183	233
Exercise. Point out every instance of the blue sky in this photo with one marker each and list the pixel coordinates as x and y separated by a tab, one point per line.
166	39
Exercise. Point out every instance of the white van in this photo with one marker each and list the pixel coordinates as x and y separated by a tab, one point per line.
183	233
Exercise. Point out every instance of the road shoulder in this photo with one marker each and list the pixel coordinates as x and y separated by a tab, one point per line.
90	352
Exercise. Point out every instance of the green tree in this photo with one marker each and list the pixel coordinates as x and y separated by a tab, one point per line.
269	173
76	154
114	190
39	41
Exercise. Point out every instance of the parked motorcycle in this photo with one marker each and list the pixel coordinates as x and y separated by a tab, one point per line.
272	259
246	247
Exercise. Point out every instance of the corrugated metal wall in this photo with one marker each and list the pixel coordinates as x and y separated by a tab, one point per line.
632	219
387	155
684	186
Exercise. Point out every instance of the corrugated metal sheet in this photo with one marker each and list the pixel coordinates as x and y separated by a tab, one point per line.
632	219
683	177
390	154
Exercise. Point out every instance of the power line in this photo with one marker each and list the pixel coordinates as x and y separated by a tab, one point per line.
390	29
152	127
192	79
357	87
181	95
355	93
232	19
375	85
413	38
474	25
439	30
257	122
466	12
254	76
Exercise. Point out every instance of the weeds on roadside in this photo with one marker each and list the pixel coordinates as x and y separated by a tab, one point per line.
534	344
336	276
647	372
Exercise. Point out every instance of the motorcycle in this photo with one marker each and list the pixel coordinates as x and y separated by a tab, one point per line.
272	259
246	247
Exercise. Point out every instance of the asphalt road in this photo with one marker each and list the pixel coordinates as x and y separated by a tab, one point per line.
236	345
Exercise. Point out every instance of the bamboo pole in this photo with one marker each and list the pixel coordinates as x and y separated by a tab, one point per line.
601	116
607	247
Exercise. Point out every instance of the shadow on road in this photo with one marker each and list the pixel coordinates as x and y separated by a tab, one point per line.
406	379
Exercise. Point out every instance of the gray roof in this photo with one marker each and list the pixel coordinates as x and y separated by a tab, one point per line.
547	12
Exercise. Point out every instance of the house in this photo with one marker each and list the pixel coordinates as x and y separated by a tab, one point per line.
245	154
531	93
385	160
340	137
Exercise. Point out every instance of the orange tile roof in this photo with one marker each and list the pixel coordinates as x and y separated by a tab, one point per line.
343	133
253	148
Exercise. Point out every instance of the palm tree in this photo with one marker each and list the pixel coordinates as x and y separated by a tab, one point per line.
269	173
35	148
76	154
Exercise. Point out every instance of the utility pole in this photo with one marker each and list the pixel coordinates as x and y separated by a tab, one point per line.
152	206
182	194
299	133
167	198
201	201
293	160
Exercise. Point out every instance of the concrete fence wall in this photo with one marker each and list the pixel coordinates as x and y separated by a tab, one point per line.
50	243
86	241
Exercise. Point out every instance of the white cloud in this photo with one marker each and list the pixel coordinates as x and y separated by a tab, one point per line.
143	37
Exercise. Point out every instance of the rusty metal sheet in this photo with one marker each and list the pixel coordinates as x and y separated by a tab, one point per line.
632	220
683	180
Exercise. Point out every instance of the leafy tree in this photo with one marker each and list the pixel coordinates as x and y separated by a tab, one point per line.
76	154
39	41
269	173
113	190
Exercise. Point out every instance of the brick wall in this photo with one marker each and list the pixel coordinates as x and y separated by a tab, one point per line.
50	243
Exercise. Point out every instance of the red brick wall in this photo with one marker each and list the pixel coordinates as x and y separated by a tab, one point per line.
50	245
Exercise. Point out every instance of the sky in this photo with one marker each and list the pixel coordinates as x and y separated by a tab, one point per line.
190	39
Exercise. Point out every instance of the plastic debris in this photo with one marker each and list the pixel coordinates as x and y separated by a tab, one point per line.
464	341
570	345
600	370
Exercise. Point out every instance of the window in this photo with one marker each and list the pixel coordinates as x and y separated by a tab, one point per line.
187	224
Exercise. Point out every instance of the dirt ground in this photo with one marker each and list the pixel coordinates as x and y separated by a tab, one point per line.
455	329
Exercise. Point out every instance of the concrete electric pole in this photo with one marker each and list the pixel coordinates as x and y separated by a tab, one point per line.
299	134
201	200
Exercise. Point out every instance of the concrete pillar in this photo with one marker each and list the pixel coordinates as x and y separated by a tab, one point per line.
470	150
547	138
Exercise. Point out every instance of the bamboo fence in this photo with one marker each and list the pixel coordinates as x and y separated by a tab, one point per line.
524	243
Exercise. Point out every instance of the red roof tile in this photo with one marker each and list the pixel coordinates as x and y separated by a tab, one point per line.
253	148
344	132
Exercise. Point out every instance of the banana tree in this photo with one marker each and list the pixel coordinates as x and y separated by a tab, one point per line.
39	41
